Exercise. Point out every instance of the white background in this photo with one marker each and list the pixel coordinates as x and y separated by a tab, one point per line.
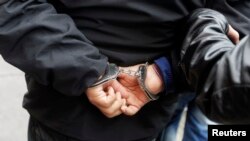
13	118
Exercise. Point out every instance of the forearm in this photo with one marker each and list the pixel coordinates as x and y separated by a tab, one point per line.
216	68
47	46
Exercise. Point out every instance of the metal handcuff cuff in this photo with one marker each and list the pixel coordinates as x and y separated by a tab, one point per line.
112	71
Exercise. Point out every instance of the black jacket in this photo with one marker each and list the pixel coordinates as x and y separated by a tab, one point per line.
217	69
64	46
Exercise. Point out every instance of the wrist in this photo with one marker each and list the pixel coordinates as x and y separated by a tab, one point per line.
110	73
153	80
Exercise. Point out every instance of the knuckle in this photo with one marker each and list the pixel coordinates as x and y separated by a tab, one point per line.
92	100
237	35
109	115
130	114
110	111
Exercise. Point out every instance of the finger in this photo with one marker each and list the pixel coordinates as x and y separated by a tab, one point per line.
111	97
233	35
95	95
114	109
133	105
117	104
118	96
94	91
129	110
106	99
119	87
124	102
111	91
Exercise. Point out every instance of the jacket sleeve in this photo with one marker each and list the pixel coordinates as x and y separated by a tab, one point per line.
48	46
218	70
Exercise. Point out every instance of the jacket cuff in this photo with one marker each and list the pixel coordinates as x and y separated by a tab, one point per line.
166	73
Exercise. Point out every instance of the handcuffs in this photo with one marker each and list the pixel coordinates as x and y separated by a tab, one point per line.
112	71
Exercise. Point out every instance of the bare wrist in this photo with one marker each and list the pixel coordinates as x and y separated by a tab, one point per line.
153	81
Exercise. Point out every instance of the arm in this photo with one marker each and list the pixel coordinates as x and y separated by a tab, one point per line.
48	46
217	69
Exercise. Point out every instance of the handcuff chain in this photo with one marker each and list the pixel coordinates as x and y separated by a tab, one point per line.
141	74
130	72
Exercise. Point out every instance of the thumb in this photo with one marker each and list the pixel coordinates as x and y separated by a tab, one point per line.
129	110
233	35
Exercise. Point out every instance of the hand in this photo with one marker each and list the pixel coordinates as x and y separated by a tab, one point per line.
233	35
106	98
136	97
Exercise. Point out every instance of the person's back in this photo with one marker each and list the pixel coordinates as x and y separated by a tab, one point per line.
47	46
127	32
